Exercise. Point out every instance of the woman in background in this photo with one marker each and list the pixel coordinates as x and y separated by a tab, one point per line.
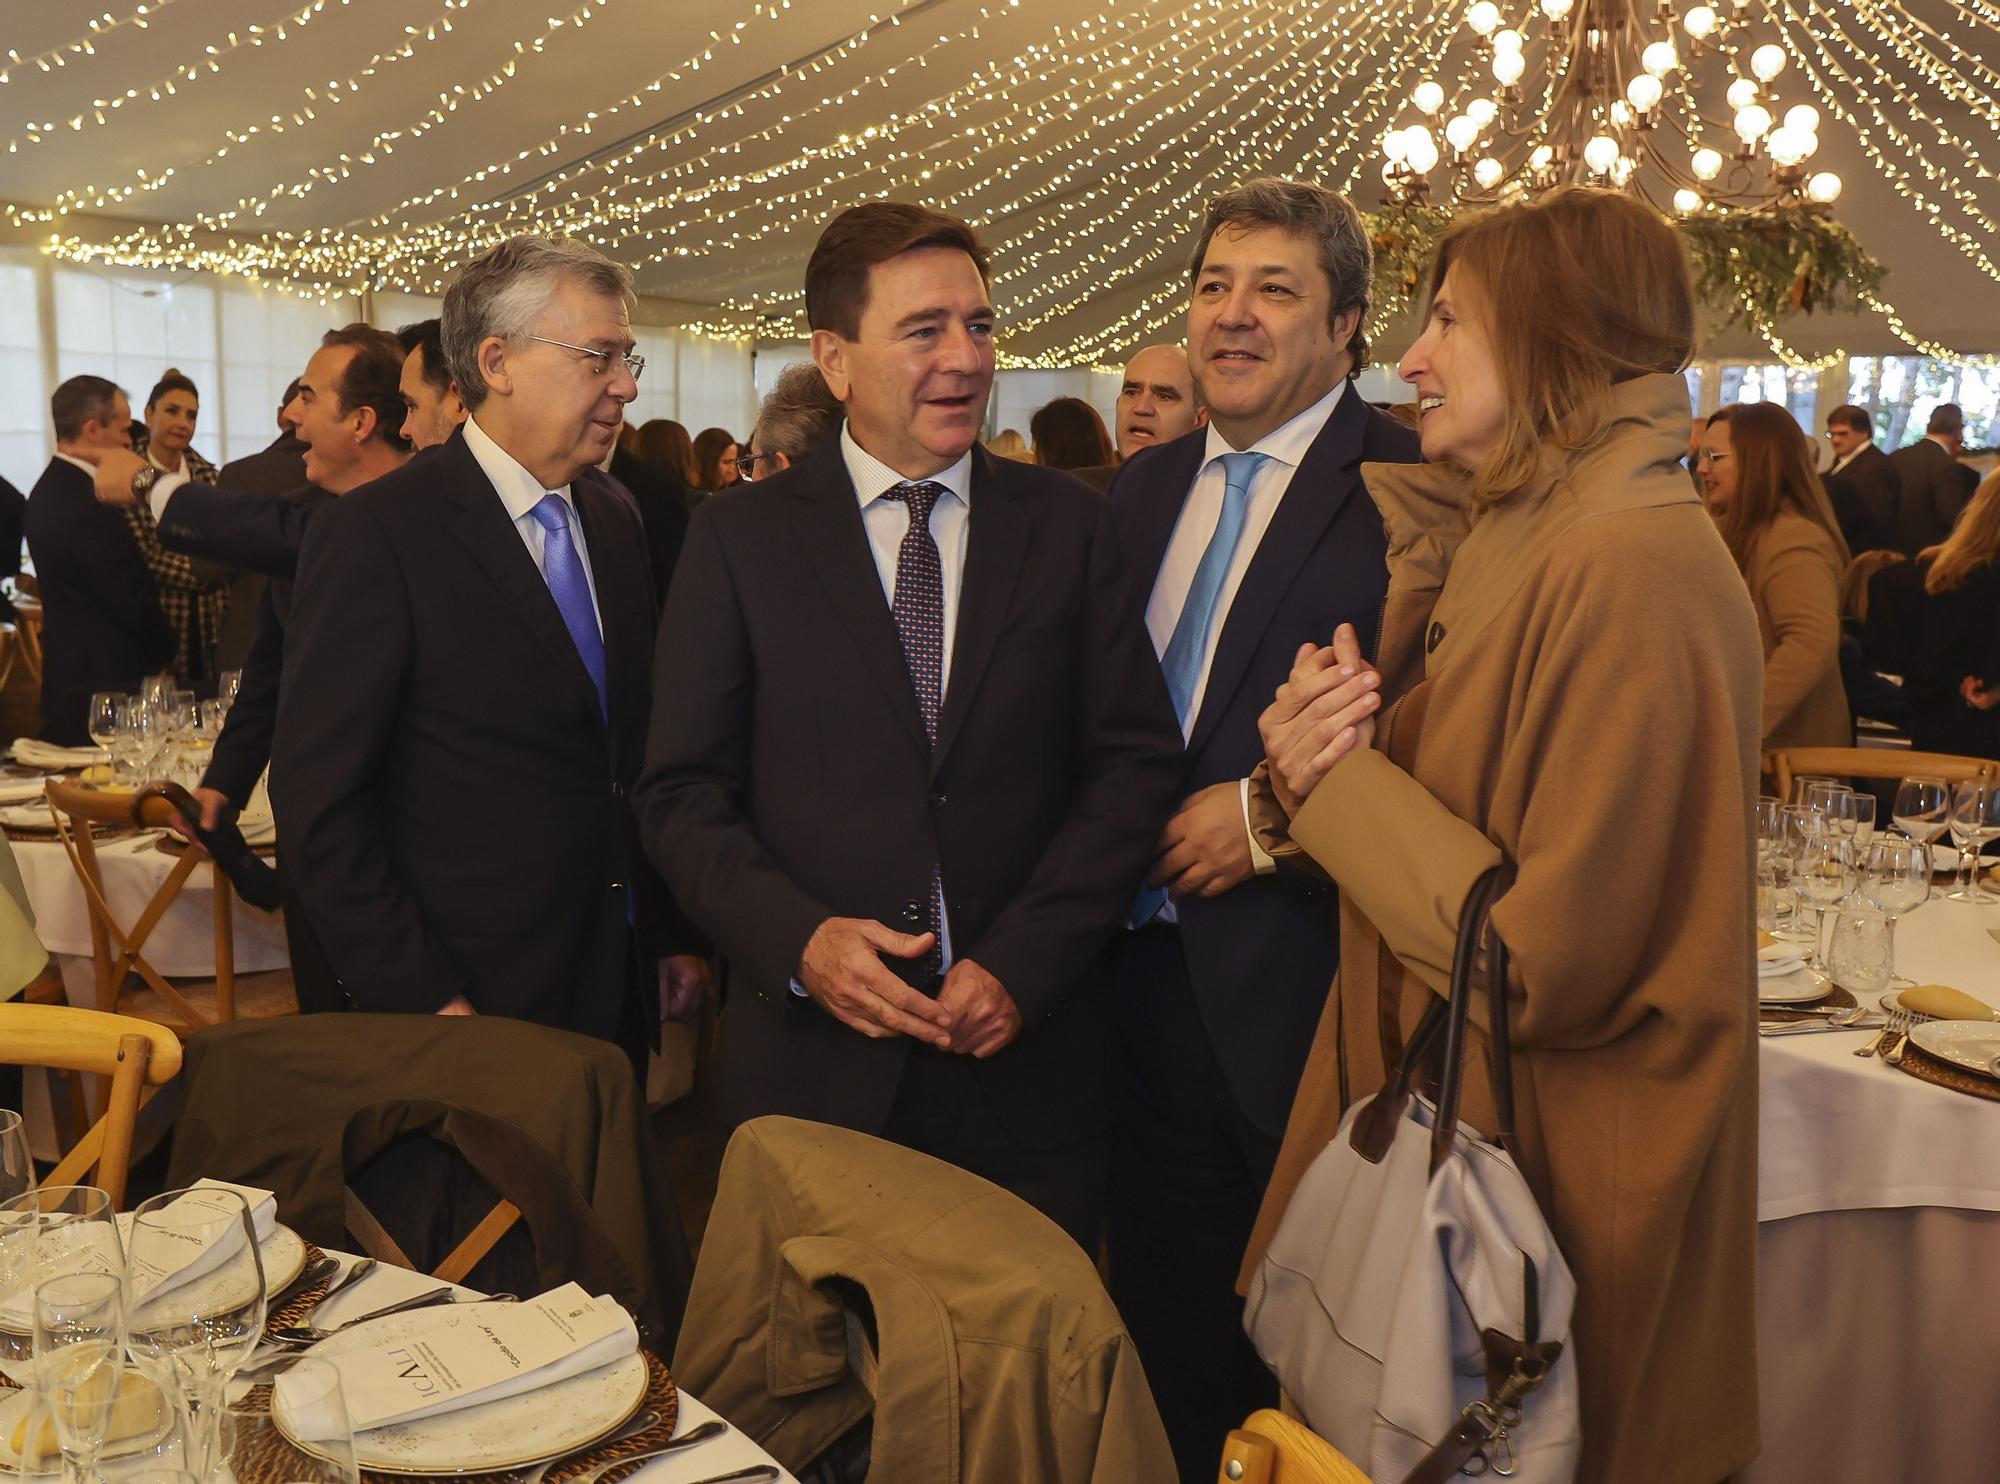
1953	681
194	596
1068	434
715	460
665	445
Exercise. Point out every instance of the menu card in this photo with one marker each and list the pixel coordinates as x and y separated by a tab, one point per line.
463	1355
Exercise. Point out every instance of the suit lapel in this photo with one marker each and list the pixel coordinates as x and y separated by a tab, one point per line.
497	547
836	547
1324	482
996	541
624	596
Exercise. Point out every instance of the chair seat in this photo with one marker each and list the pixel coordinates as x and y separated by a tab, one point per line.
258	997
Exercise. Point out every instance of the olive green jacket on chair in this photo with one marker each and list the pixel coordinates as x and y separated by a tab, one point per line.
1000	1357
22	957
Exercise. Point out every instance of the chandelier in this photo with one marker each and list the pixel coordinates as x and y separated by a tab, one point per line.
1658	101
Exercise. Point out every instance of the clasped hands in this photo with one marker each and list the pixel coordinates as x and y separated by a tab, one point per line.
1976	695
1324	710
842	968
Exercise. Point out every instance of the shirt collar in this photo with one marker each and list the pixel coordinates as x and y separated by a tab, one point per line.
1288	443
519	490
873	478
77	463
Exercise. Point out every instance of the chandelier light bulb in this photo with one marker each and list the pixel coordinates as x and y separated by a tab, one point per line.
1555	10
1508	67
1482	111
1390	170
1395	146
1787	147
1644	91
1660	58
1623	168
1428	96
1752	123
1508	40
1687	202
1810	142
1707	164
1460	133
1489	170
1541	157
1601	153
1621	113
1700	23
1802	117
1742	93
1423	150
1767	61
1483	17
1823	188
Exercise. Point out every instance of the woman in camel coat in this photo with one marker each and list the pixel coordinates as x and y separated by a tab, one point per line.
1568	682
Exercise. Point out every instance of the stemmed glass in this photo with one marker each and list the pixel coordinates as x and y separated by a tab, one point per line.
227	685
45	1234
107	717
1896	878
17	1169
1857	818
1770	821
1822	874
1798	824
79	1352
192	1328
1975	819
1802	785
1921	808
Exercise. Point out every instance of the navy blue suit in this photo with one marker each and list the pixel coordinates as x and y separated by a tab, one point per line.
1215	1016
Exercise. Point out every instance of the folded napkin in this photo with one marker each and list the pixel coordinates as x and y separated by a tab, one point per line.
1779	959
27	816
154	1273
464	1355
21	790
37	754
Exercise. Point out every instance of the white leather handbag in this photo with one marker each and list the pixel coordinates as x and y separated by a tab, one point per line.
1413	1302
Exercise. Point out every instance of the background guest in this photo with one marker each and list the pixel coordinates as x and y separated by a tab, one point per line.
665	445
798	416
193	595
1757	469
1933	486
1869	693
432	409
102	625
171	413
1068	434
1157	401
662	506
1009	444
1862	482
276	468
1953	674
13	506
714	460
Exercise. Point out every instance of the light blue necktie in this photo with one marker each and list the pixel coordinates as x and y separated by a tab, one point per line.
562	569
1188	647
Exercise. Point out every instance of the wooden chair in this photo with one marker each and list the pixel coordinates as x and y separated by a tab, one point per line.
117	951
1271	1448
1871	762
133	1055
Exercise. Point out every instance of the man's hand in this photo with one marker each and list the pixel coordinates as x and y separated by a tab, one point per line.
683	983
1977	696
985	1017
459	1005
842	969
213	802
1205	848
1324	711
115	468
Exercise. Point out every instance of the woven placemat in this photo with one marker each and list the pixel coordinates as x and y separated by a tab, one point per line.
1927	1068
272	1460
1834	999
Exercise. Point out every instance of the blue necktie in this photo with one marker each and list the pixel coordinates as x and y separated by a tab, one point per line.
1188	647
562	569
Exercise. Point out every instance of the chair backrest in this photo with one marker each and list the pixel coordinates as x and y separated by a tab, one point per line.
1872	762
115	950
133	1054
1271	1448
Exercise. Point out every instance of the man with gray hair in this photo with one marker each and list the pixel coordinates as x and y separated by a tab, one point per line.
1255	537
798	415
467	685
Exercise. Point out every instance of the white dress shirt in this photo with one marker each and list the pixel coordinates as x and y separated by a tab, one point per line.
1285	448
520	492
888	522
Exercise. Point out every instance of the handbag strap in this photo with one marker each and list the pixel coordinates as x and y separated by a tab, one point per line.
1472	924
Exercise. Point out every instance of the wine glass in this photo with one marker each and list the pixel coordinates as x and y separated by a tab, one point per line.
1824	796
1975	819
45	1233
1770	821
193	1326
1921	808
1857	818
1896	878
227	685
17	1168
1802	785
310	1399
1822	874
156	688
79	1350
1798	824
106	719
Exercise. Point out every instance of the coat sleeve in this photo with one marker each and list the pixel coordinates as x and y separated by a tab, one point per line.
259	533
110	561
1802	600
244	748
1081	889
347	645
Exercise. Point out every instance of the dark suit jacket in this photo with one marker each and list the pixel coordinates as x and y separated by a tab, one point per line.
13	506
1261	957
102	624
452	801
1935	488
1866	496
788	779
662	510
272	470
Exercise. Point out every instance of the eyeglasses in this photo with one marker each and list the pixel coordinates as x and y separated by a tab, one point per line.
1705	457
603	358
747	465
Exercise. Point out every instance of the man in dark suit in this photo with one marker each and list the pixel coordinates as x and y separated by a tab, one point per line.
102	624
1935	486
905	707
465	692
274	469
13	506
1256	536
1862	482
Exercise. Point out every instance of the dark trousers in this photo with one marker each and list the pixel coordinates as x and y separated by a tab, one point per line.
1188	1171
940	1110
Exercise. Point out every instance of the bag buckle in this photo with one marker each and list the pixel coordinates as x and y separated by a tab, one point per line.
1494	1423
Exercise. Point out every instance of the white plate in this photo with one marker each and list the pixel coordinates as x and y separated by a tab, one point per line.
511	1433
1971	1044
283	1254
1795	988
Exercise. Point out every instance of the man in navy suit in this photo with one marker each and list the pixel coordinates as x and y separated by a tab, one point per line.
1256	537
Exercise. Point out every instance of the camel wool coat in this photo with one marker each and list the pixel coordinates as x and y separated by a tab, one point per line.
1793	571
1570	682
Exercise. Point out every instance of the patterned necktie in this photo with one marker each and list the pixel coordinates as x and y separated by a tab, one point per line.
562	569
1188	648
919	612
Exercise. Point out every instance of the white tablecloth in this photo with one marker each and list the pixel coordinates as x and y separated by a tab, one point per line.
133	868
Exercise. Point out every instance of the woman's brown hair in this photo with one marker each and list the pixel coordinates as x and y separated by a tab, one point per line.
1774	472
1577	291
1854	585
1973	542
1069	434
665	445
709	446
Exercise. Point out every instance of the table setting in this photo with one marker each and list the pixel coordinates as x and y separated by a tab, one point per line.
198	1338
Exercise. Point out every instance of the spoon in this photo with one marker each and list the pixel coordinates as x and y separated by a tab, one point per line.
348	1279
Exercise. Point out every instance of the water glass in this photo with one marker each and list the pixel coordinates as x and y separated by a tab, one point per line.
1857	818
1974	819
79	1351
17	1169
45	1234
1798	824
155	689
1896	878
1802	785
227	686
1822	874
1861	955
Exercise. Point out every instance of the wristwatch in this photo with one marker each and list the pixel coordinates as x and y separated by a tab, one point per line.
143	481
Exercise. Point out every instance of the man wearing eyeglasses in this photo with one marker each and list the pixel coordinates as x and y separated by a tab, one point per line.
467	684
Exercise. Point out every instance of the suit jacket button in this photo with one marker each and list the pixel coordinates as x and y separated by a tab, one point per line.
618	886
938	801
913	911
1434	638
617	790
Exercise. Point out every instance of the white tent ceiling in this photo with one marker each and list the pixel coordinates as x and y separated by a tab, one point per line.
704	141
